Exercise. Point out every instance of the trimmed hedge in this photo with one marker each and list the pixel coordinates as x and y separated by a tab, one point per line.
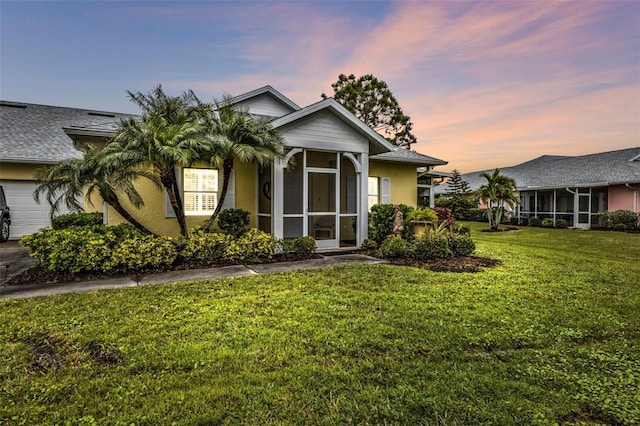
70	220
99	248
233	221
301	246
381	222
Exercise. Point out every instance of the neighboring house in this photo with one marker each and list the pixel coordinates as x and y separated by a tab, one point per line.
573	188
31	136
336	167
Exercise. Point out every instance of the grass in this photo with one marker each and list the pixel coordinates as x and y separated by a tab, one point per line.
551	336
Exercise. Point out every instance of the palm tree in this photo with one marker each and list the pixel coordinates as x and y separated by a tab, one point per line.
496	193
233	134
169	134
66	182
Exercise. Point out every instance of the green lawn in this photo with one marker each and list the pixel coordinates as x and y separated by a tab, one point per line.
552	335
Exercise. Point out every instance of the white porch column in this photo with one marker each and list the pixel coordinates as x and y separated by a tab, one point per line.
363	211
432	193
277	199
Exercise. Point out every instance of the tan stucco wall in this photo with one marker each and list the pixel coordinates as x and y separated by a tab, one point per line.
153	214
404	180
18	171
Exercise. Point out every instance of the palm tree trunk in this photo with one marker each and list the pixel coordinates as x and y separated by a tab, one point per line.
227	166
115	203
169	181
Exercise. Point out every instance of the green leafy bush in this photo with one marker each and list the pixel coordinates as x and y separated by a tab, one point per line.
461	245
547	223
476	215
206	245
369	244
233	221
76	219
619	227
99	248
302	245
424	214
534	221
625	217
393	247
381	222
141	253
462	229
254	245
561	223
427	247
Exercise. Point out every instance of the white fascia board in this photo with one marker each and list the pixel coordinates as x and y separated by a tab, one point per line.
79	131
342	113
266	89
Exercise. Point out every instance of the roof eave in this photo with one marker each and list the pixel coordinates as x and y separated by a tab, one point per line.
266	89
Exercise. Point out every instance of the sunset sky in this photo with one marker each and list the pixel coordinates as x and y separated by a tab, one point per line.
486	84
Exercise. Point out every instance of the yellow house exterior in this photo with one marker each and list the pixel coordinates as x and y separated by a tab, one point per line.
334	169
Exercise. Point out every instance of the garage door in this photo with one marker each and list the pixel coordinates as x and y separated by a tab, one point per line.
27	216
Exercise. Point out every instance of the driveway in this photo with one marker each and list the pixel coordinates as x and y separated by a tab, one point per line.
13	260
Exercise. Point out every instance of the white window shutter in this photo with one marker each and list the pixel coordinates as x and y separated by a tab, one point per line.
168	209
385	190
230	198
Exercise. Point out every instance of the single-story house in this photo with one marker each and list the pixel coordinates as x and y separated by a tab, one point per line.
573	188
335	168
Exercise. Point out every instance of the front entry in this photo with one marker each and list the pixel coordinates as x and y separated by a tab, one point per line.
321	198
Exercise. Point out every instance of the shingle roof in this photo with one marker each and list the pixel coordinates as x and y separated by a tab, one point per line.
34	133
402	155
601	169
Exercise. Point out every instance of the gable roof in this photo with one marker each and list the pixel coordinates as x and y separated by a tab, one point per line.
402	155
548	171
33	133
292	106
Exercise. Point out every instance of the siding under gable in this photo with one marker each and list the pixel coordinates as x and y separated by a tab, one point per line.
265	104
325	131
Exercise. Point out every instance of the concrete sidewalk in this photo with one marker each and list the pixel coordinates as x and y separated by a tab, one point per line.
26	291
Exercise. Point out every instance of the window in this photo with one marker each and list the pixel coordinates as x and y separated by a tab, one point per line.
373	192
200	191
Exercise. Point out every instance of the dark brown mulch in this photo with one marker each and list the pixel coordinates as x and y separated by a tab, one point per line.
40	275
503	229
450	264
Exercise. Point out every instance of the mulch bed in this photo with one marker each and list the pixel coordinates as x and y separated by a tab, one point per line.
41	275
450	264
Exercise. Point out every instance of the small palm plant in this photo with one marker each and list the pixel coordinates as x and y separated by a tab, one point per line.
498	192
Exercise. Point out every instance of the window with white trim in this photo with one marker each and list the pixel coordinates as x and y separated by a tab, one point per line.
373	193
200	188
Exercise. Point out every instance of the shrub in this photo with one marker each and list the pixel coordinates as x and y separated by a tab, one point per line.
301	245
547	223
424	214
103	249
561	223
206	245
626	217
444	216
461	245
381	222
393	247
254	245
524	221
619	227
142	253
534	221
462	229
76	219
428	247
369	244
233	221
477	215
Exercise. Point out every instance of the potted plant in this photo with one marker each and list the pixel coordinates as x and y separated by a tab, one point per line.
421	219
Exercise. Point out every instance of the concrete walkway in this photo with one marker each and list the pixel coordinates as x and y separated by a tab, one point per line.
26	291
